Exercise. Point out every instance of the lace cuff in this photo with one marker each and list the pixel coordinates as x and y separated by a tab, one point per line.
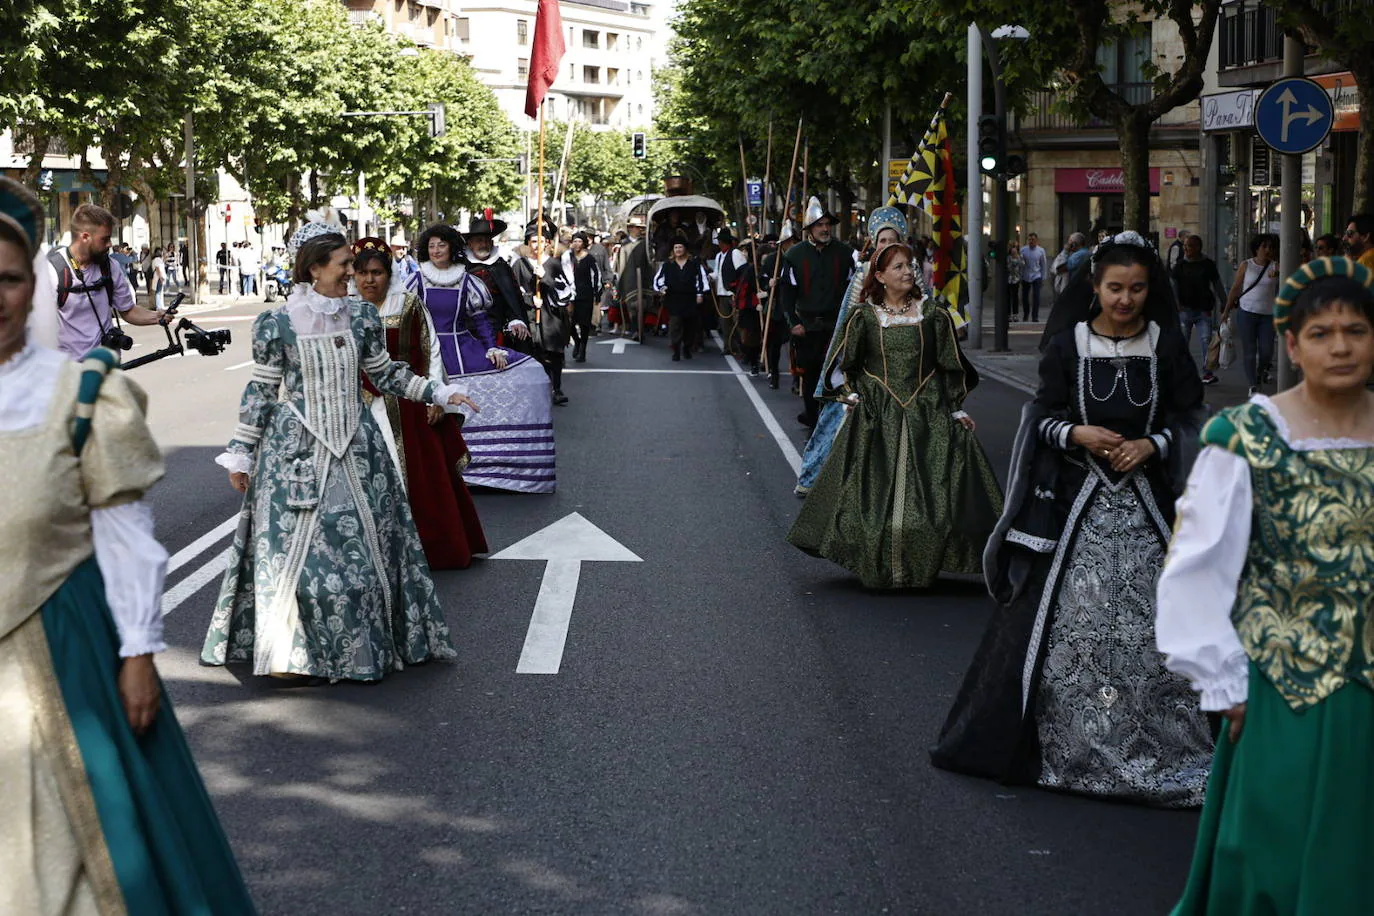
959	414
493	353
1230	686
235	459
443	392
516	322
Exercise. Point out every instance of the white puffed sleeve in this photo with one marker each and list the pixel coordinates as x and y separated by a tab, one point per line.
134	566
1197	589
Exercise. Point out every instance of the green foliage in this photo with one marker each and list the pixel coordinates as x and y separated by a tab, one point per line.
267	83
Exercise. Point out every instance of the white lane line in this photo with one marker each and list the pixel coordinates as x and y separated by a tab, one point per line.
1003	376
193	583
789	451
201	544
656	371
243	365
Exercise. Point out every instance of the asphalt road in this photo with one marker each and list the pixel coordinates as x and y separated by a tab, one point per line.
736	728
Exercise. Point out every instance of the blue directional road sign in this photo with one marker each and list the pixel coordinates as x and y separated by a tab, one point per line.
755	189
1294	115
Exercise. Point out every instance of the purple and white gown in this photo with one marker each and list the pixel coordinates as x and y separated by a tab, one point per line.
511	439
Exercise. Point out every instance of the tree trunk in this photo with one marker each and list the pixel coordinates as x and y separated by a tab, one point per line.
1133	130
1364	159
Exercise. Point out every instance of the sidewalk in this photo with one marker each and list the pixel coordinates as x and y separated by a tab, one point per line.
1018	367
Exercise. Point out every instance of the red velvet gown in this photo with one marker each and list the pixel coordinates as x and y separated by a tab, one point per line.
432	457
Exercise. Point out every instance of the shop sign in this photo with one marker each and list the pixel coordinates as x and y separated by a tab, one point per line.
1229	110
1097	181
1344	98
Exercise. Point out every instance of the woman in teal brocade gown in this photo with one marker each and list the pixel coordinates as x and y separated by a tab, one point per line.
327	577
907	492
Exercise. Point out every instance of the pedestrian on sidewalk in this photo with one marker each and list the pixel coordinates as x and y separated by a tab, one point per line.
1066	690
224	260
1264	607
1032	277
683	283
173	263
1016	270
907	492
886	226
1251	300
1199	289
248	264
1329	246
1359	239
814	279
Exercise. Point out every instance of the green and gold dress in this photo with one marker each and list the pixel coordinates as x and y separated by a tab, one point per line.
1264	600
907	492
94	819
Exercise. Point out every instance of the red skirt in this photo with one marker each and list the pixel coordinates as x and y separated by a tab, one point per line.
444	512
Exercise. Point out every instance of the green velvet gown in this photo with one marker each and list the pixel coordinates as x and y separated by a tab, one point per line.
907	492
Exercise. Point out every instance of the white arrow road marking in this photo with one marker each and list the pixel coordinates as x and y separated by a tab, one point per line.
244	365
173	597
565	546
201	544
618	344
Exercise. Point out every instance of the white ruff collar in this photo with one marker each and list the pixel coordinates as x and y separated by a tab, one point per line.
449	276
317	303
488	260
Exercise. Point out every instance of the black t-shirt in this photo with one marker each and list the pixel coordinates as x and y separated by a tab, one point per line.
1196	282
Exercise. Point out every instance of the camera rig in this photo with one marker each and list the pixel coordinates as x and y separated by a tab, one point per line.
206	343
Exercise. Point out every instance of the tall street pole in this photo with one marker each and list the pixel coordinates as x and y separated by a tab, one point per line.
1001	227
973	213
1290	203
192	235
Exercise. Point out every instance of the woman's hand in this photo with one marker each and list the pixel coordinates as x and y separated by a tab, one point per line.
497	358
967	423
1236	716
239	481
434	413
139	691
1096	439
459	400
1130	455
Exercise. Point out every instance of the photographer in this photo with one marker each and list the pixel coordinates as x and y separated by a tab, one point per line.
85	288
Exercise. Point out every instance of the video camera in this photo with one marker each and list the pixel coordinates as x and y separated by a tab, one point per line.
206	343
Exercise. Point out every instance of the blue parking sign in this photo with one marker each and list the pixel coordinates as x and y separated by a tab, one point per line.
755	191
1294	115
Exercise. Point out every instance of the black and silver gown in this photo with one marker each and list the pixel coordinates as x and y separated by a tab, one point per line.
1067	689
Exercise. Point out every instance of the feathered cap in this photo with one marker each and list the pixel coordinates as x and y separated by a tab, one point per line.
1310	273
20	208
886	218
317	222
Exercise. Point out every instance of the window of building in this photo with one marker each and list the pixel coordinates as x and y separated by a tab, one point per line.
591	39
591	75
463	28
572	71
639	76
612	41
522	68
1123	65
612	76
522	32
639	43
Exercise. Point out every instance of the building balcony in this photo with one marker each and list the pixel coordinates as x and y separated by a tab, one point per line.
1250	40
1042	115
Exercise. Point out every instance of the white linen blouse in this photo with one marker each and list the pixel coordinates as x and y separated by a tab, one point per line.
1197	589
132	562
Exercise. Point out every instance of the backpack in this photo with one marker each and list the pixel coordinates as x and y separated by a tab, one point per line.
67	280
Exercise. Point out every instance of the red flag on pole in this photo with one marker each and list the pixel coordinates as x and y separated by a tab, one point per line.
546	55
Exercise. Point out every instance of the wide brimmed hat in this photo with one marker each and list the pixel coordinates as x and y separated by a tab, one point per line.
20	207
533	227
1310	273
636	221
724	235
815	212
485	226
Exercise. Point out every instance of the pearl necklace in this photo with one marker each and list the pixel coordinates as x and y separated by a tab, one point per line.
1119	362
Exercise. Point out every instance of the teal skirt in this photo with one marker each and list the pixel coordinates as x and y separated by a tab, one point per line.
170	855
1288	827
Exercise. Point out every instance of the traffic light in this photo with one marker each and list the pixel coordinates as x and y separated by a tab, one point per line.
437	127
991	145
522	164
641	145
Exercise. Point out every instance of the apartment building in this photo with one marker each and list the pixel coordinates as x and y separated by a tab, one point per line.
428	23
613	47
1074	180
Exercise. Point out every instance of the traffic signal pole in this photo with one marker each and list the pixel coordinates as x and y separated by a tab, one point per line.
1001	226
